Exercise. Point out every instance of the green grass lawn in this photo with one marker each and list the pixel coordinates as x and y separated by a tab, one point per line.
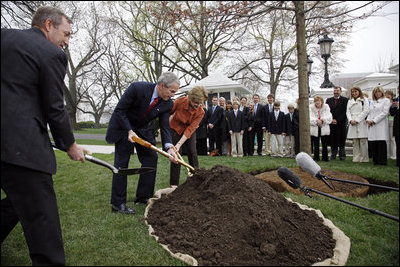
95	236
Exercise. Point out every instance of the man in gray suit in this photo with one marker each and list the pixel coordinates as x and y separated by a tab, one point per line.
33	67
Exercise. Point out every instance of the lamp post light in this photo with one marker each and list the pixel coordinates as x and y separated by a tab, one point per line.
309	65
325	44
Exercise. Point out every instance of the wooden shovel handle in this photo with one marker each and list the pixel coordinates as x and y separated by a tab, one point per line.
144	143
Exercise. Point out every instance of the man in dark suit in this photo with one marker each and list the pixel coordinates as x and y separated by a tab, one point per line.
134	116
245	110
268	109
292	131
33	67
214	117
236	128
338	106
258	122
277	129
394	111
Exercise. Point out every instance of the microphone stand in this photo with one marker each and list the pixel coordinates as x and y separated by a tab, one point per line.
306	191
358	183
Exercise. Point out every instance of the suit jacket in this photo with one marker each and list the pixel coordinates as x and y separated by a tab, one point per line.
292	126
276	126
245	112
339	110
266	115
32	77
395	112
216	117
259	116
236	124
129	115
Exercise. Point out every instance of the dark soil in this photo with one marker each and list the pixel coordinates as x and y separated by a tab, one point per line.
222	216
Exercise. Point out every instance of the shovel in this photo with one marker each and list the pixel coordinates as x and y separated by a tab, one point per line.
144	143
120	171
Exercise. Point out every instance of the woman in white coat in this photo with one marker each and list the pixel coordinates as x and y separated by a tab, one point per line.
378	129
320	118
357	112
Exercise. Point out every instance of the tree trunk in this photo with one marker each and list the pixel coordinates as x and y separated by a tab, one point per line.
304	114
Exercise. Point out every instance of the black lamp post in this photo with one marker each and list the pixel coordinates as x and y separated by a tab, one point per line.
309	65
325	44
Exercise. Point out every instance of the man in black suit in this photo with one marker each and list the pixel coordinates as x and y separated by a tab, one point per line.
134	116
245	110
214	117
258	122
394	111
338	106
268	109
33	67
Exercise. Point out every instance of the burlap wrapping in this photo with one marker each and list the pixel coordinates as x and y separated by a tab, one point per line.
340	252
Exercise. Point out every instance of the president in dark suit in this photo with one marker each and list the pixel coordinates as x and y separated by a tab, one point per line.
134	115
33	67
338	127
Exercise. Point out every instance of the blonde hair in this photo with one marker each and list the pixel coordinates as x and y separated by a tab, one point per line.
317	97
198	94
380	89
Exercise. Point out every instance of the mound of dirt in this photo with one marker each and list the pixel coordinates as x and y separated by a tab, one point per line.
341	189
222	216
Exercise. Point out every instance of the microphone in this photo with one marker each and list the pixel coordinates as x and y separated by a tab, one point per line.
289	177
309	165
295	182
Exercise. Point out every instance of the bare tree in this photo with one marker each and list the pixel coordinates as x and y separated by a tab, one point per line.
83	59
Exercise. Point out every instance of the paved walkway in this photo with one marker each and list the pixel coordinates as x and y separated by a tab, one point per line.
100	149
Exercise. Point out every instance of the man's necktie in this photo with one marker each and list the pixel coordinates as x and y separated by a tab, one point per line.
336	100
155	101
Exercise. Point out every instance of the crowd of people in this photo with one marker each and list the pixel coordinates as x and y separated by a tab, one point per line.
236	127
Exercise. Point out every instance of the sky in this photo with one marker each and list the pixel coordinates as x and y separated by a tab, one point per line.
374	42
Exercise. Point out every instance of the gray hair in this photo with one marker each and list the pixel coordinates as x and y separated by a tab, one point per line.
168	78
48	12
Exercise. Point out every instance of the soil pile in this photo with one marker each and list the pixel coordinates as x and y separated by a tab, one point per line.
225	217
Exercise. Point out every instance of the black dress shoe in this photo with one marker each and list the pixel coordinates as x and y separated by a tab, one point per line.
122	209
141	200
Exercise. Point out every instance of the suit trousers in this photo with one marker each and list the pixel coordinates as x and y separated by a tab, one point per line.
147	157
338	135
276	145
31	200
379	152
268	146
315	144
259	132
289	145
191	150
360	150
237	144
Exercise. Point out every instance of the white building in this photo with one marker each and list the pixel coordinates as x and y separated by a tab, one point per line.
219	85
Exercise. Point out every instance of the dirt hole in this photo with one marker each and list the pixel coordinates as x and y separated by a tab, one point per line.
341	189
